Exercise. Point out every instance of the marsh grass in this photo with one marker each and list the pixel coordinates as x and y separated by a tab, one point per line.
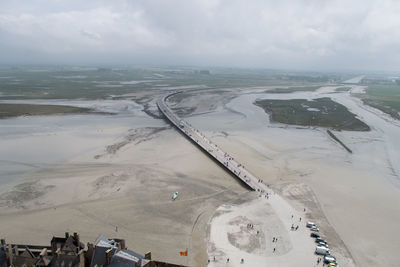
15	110
322	112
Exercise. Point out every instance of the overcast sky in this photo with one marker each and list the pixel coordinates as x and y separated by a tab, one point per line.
294	34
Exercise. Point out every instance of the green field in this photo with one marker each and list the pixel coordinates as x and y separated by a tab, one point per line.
60	83
99	83
293	89
321	112
383	97
15	110
343	89
143	84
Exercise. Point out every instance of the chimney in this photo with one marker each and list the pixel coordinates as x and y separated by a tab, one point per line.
148	255
109	254
122	243
77	240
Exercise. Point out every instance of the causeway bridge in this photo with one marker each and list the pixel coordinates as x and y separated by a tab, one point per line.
227	161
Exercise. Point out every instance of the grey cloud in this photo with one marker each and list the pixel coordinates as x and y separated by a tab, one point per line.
314	34
90	35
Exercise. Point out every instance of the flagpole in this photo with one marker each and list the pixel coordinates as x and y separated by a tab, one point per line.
189	245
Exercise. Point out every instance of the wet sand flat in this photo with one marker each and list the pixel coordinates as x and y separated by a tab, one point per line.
127	188
353	192
126	176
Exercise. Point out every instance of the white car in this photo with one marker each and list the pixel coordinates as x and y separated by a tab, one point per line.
322	250
310	224
329	259
322	244
314	229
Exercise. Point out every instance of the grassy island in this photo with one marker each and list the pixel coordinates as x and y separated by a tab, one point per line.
15	110
322	112
293	89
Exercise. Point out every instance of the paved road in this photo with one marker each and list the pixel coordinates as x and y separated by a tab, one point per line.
230	164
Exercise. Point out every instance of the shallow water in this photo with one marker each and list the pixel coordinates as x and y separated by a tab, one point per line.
241	114
349	187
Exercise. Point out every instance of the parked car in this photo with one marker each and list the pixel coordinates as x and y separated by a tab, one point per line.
319	239
314	229
329	259
323	244
310	224
322	251
315	235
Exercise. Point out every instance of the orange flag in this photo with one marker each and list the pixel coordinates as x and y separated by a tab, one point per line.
183	253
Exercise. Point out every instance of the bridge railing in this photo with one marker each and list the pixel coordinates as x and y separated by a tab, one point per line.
206	145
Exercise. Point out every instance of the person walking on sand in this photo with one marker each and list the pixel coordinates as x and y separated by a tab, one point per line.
274	249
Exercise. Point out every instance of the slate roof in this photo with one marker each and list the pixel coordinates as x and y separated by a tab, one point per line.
126	258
